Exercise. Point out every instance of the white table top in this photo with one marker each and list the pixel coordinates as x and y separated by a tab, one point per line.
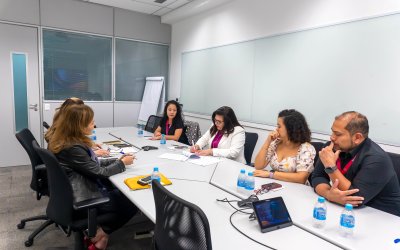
374	229
191	182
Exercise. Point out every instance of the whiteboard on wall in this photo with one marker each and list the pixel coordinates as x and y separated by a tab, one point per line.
321	72
153	98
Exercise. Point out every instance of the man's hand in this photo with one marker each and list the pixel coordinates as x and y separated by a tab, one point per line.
328	157
343	197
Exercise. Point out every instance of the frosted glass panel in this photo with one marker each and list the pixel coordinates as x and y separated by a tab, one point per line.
321	72
20	91
134	61
76	65
212	80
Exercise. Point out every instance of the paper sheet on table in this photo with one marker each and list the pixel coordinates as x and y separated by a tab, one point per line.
175	157
204	160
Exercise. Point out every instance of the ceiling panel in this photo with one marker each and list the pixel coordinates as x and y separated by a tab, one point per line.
144	6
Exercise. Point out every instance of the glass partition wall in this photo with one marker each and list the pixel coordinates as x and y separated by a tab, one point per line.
80	65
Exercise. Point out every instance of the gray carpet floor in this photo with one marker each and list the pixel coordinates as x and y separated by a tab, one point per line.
18	201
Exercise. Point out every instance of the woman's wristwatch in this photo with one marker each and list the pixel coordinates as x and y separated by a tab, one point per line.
271	174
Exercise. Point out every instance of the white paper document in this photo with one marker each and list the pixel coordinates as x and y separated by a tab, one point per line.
198	160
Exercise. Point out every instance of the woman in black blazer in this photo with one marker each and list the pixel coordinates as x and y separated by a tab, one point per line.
87	174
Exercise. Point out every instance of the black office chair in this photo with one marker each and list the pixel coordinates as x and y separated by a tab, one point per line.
179	224
61	208
318	146
396	163
249	145
46	125
38	182
152	123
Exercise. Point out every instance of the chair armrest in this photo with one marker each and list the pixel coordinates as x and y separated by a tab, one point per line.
40	167
90	203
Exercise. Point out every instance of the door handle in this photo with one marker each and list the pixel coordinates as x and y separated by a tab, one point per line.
33	106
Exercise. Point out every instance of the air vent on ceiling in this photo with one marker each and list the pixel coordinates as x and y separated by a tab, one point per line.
160	1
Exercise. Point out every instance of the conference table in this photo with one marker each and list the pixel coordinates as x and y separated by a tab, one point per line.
203	185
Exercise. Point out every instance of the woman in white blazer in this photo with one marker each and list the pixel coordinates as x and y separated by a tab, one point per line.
225	138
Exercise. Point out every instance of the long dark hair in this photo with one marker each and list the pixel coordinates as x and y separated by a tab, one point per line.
230	120
296	126
178	116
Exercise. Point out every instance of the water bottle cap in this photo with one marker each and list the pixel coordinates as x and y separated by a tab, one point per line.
242	171
250	174
93	131
348	206
321	199
155	169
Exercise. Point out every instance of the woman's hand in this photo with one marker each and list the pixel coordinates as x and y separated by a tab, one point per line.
158	137
205	152
102	152
127	159
194	149
261	173
273	135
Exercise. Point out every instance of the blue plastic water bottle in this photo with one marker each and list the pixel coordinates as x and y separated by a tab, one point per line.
163	142
347	221
249	184
241	180
140	130
319	213
93	136
155	175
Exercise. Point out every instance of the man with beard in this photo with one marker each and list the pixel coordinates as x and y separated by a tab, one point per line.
360	171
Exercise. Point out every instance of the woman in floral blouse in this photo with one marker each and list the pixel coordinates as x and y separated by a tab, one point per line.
287	150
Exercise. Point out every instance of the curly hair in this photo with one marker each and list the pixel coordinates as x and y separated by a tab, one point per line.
296	126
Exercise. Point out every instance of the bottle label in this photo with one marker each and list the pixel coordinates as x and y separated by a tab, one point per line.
249	185
347	221
319	213
240	182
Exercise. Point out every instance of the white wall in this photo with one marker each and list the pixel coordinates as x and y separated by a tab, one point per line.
244	20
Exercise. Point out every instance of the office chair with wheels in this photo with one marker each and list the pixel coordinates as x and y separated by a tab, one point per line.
61	207
249	145
396	163
192	131
46	125
152	123
179	224
318	146
38	182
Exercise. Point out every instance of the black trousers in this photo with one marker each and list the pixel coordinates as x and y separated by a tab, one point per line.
119	206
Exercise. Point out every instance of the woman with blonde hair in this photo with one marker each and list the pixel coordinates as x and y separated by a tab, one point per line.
87	174
68	102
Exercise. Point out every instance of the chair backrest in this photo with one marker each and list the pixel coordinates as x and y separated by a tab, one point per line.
152	123
39	178
192	131
396	163
318	146
179	224
46	125
59	208
249	145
